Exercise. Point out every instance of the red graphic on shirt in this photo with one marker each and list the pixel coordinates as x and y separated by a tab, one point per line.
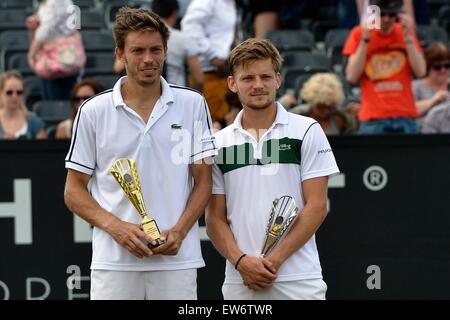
385	65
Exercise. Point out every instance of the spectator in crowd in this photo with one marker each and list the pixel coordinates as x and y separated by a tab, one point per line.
324	95
179	50
271	15
52	20
82	91
438	119
15	120
433	90
234	107
211	24
416	9
383	61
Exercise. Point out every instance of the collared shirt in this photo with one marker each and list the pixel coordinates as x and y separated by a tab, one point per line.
211	26
176	134
254	173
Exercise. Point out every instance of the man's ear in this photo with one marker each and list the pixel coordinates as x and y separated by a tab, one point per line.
278	80
232	84
119	53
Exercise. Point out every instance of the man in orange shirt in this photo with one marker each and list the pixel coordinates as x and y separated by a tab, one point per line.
384	60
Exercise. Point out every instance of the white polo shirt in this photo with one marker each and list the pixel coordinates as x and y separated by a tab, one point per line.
252	174
177	134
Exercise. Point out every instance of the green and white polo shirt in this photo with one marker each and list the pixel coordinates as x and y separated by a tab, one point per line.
252	174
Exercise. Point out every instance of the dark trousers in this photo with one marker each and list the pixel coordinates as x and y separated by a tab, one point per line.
58	89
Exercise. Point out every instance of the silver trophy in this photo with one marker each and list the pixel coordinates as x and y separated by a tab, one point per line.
284	211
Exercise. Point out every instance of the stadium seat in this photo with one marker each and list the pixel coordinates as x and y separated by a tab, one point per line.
287	40
306	60
98	40
13	19
52	112
19	61
334	43
32	91
299	82
113	7
84	4
12	41
92	19
434	6
16	4
99	63
107	80
291	74
428	34
50	132
321	27
444	18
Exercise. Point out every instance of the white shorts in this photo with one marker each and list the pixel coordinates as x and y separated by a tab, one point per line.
311	289
144	285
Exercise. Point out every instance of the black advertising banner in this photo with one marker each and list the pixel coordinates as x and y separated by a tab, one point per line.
387	234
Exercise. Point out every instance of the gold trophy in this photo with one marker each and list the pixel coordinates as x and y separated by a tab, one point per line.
284	211
125	172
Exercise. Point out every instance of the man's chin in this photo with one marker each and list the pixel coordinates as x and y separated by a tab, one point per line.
147	81
260	106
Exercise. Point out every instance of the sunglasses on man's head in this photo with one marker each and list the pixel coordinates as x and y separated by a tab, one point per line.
438	67
78	99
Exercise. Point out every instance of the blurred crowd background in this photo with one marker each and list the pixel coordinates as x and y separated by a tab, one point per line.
311	36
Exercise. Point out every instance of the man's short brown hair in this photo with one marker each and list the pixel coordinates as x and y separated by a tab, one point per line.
254	49
131	19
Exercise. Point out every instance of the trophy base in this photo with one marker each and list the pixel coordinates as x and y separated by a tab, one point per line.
151	229
158	243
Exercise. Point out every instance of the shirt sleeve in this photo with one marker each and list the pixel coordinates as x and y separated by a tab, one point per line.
188	48
430	123
218	180
82	153
317	158
194	24
203	141
36	124
351	45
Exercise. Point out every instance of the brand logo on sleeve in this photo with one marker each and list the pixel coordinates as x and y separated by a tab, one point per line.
324	151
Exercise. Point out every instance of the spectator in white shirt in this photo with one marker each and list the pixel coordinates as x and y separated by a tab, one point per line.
210	24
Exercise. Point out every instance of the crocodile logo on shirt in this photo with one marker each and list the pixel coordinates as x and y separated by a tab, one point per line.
284	147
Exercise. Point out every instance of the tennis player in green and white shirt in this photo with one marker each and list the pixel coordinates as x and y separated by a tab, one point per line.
265	154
